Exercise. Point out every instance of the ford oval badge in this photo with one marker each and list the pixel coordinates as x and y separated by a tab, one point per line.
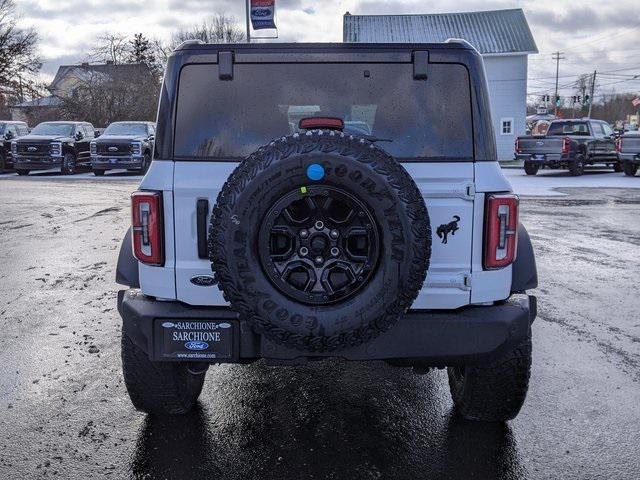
203	280
196	345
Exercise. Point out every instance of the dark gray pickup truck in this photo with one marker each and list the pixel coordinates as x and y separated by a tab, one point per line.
569	144
628	147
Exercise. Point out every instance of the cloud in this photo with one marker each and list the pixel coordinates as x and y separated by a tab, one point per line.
584	19
592	34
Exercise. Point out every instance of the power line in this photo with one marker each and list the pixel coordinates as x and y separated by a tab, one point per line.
602	37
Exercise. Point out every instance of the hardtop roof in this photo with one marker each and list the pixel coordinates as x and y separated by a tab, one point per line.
315	47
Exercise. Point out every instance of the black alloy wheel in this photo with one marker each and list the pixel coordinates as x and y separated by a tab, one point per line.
319	245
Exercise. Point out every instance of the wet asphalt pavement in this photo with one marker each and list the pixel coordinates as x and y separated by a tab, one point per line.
64	411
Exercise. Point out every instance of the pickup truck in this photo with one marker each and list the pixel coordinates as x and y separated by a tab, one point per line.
628	147
9	131
63	145
123	145
569	144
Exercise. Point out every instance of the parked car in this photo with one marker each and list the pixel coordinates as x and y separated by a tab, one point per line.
569	144
63	145
123	145
9	131
628	147
319	236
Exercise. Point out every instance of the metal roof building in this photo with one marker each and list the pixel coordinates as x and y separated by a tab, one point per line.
502	37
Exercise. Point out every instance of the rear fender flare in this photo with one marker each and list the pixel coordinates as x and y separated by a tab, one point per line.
127	270
524	273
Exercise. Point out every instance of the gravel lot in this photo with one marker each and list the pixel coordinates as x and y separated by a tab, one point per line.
64	411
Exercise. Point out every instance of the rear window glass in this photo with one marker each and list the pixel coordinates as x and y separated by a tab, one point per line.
568	128
228	120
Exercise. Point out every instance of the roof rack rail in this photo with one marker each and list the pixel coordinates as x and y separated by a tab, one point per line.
461	41
186	43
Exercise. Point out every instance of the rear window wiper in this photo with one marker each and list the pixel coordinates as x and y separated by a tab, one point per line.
373	139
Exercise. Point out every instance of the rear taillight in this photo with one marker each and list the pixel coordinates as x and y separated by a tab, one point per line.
619	145
500	230
566	144
321	122
147	227
517	145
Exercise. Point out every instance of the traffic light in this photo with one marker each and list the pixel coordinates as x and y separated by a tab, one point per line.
587	99
557	100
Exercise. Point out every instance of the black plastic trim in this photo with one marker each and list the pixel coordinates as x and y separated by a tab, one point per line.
127	270
465	336
420	64
524	273
225	65
202	210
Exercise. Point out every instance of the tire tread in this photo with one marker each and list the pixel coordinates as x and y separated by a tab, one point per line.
495	391
158	387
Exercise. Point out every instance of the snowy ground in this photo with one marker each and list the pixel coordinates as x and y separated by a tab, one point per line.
65	413
48	175
547	182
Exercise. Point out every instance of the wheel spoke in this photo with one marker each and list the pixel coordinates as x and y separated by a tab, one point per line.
322	245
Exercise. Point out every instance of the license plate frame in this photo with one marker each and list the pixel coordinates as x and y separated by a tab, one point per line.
538	157
196	340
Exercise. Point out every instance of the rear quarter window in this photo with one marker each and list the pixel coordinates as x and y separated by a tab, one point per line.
228	120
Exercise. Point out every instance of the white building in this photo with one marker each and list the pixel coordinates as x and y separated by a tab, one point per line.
502	37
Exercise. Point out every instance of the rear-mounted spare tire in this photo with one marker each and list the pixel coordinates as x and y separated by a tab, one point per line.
320	240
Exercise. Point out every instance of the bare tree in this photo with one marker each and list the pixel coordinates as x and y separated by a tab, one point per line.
19	61
102	96
613	106
110	48
220	28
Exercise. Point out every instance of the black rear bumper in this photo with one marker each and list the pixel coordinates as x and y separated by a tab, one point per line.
426	338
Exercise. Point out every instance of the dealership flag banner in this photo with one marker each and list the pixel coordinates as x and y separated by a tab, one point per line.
263	14
636	101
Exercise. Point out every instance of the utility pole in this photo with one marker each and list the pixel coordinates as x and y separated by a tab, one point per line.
557	56
593	87
248	5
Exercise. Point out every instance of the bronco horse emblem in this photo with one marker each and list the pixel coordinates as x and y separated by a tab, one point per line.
448	228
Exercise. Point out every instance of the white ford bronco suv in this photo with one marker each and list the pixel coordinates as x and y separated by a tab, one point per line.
308	201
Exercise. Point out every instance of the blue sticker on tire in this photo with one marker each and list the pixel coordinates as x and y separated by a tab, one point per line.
315	172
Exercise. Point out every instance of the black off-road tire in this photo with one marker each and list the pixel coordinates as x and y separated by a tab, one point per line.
160	388
618	167
576	167
3	161
98	173
494	392
68	164
531	168
22	171
364	171
630	168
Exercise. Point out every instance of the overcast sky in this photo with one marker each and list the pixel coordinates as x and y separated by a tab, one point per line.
593	34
